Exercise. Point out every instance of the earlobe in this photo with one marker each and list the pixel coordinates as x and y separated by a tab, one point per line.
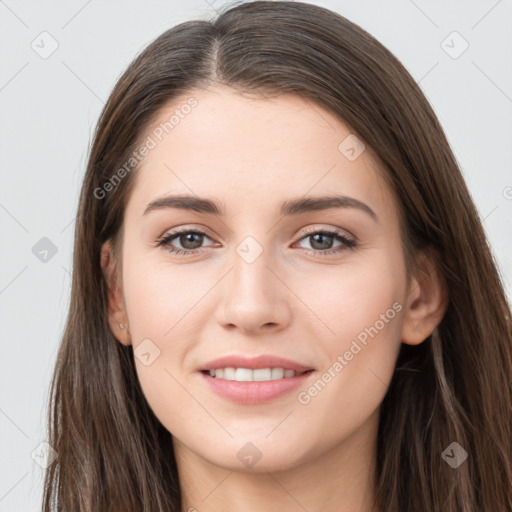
426	302
117	316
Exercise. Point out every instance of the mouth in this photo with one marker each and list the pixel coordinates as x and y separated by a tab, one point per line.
254	380
253	375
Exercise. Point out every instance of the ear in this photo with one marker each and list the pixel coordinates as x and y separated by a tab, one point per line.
426	302
117	316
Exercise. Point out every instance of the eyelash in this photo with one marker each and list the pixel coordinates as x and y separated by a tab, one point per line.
165	241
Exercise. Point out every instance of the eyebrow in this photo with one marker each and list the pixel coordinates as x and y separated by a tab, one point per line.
288	208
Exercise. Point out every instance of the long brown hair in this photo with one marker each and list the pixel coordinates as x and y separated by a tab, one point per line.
456	386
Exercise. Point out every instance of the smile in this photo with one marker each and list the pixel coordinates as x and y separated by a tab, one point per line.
249	375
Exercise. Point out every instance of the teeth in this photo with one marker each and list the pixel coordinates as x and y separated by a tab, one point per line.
248	375
243	375
262	374
277	373
229	373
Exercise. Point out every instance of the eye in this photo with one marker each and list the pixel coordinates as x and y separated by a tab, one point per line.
321	241
189	239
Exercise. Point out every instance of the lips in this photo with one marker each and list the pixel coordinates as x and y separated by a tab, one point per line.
252	391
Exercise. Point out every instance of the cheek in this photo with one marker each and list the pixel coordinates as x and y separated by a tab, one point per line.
160	306
159	297
359	334
165	305
353	302
365	312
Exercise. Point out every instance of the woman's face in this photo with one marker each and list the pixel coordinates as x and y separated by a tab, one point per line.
262	280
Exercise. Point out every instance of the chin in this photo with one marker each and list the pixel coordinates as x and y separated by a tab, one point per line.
259	456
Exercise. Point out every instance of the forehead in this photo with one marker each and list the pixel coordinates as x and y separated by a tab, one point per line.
251	150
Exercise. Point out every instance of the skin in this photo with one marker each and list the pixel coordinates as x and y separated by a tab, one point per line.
251	154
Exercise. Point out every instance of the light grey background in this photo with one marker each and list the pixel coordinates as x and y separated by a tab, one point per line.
50	106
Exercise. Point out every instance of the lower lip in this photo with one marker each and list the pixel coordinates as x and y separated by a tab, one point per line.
254	393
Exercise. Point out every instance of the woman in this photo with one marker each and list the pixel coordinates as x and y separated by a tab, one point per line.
283	297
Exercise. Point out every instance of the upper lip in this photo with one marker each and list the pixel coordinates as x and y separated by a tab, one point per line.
253	363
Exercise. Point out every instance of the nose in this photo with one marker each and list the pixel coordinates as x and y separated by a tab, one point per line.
254	298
